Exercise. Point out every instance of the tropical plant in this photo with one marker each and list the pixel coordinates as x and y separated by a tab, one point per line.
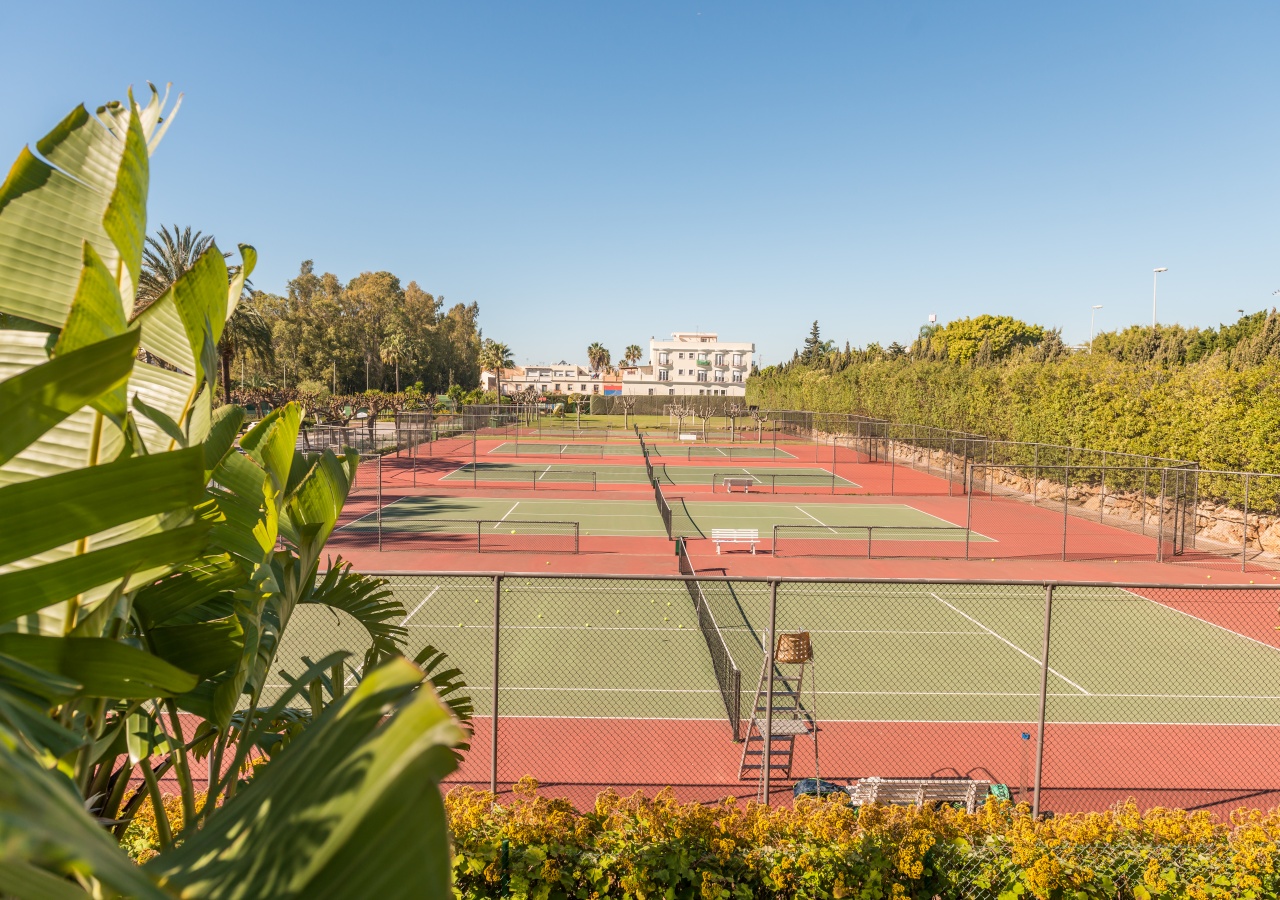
495	357
160	592
393	350
598	357
632	355
167	256
246	331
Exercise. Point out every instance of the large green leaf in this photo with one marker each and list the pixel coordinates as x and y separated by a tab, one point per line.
205	648
102	667
38	399
92	500
350	808
169	599
316	501
28	590
369	601
43	825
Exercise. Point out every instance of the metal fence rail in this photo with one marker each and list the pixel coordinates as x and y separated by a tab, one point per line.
1059	690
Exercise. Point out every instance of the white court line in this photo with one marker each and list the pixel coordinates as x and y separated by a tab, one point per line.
368	514
545	471
504	517
1198	619
454	472
1007	642
819	521
420	605
736	629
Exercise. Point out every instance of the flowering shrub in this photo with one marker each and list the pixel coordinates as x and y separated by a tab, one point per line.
660	848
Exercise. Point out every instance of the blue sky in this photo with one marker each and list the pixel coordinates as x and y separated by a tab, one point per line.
611	171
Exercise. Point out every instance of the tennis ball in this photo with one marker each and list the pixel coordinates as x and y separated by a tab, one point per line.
618	612
539	615
679	626
513	531
460	625
665	619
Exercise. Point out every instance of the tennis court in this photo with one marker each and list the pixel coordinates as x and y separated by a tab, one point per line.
910	679
569	473
640	518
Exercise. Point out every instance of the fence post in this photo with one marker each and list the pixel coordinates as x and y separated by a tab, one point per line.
1102	501
893	465
1160	520
968	512
1044	694
1066	490
1035	473
767	758
379	501
493	736
1244	537
473	459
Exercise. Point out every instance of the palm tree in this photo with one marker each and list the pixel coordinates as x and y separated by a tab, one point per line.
597	357
496	356
165	258
394	349
632	355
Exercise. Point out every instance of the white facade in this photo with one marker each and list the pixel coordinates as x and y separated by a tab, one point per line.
692	363
556	378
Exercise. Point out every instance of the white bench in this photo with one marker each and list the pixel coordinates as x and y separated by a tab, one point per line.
688	437
919	792
742	481
736	536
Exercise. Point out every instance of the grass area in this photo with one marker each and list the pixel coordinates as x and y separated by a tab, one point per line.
944	653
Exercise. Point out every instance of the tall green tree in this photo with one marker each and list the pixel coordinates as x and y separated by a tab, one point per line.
496	356
812	345
632	355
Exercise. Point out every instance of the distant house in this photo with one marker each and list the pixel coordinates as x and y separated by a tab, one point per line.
693	363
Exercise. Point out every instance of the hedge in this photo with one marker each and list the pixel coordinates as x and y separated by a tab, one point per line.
661	848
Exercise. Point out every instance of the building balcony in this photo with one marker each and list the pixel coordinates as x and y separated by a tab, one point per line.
704	362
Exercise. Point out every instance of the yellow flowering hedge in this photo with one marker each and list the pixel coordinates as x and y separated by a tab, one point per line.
661	849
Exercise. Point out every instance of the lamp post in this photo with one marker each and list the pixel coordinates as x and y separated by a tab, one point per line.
1094	312
1155	273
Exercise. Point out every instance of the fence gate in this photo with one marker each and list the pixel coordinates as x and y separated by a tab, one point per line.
1182	490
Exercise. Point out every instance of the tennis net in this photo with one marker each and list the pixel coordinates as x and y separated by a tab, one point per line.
728	675
664	508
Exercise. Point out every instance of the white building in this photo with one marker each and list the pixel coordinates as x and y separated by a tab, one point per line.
557	378
693	363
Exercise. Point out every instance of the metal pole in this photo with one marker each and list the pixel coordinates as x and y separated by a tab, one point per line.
379	502
1102	502
968	514
1035	473
493	729
1066	489
1044	693
893	464
473	459
1244	536
1160	520
767	758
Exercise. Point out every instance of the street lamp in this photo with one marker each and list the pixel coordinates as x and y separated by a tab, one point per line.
1155	273
1091	315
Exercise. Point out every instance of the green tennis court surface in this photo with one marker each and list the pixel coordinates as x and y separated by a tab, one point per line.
912	653
571	473
639	518
632	448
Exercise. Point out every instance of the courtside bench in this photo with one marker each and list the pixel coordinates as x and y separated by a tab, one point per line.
688	437
921	792
735	536
742	481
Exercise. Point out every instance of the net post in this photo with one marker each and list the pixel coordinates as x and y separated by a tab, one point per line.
870	531
1244	528
775	540
493	728
767	759
576	541
1044	693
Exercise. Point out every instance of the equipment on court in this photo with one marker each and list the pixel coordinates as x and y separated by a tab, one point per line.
728	675
773	743
735	536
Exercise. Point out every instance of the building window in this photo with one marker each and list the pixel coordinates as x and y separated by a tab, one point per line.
737	359
650	392
719	359
700	393
737	376
664	374
671	391
719	375
702	376
582	387
680	371
595	388
664	358
682	356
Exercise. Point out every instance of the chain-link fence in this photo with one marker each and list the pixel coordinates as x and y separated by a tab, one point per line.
1075	696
